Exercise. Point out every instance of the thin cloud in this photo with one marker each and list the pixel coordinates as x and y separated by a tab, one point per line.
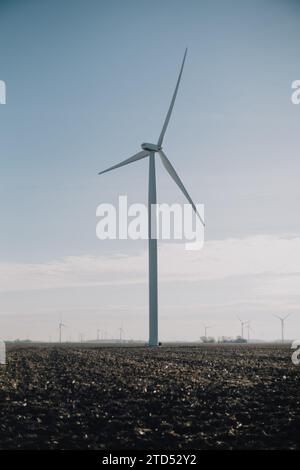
219	259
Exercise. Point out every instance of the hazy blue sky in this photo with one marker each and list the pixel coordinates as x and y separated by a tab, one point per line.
87	82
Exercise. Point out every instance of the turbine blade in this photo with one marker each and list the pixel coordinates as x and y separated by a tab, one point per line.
162	134
170	169
287	316
134	158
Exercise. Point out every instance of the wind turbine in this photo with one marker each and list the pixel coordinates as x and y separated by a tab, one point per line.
282	320
150	150
243	323
206	327
60	326
248	331
121	330
81	337
98	336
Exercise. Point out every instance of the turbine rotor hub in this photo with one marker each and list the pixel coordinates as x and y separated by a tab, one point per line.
151	147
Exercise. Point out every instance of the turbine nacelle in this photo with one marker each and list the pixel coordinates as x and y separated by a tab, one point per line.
151	147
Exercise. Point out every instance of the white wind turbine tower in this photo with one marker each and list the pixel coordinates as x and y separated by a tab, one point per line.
243	323
60	326
282	320
248	326
206	327
150	150
121	330
81	337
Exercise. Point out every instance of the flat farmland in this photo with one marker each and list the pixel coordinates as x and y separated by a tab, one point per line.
173	397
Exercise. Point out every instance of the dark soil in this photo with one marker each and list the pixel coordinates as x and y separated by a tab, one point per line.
226	397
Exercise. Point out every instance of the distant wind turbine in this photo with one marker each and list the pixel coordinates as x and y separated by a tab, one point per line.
150	150
60	326
248	326
121	330
243	323
282	320
206	327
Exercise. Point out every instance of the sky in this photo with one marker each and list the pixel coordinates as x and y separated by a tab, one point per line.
87	83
